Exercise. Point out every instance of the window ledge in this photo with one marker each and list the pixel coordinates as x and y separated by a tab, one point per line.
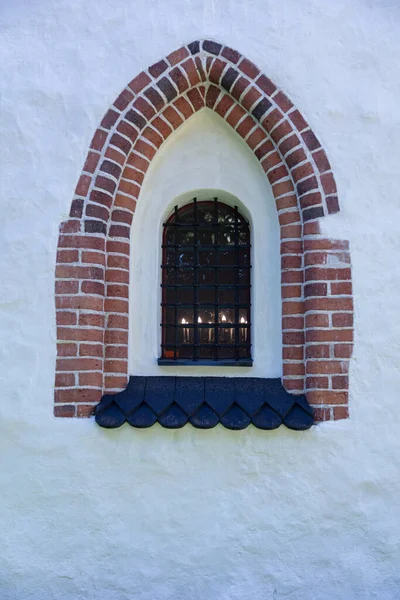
170	362
235	402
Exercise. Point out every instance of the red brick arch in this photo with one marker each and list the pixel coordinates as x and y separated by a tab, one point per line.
92	272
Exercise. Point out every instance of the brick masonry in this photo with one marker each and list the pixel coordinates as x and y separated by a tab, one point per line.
92	271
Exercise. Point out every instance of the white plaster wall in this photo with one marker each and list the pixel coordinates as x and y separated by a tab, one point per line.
157	514
205	158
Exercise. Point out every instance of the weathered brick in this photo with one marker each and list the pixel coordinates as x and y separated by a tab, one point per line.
224	105
317	350
85	410
91	319
109	119
115	383
172	117
79	335
191	71
79	272
67	256
67	287
92	287
167	88
196	99
326	397
177	56
179	79
123	99
158	68
78	395
341	412
115	306
139	82
121	143
79	364
66	411
231	54
115	366
292	308
317	383
248	68
118	322
184	107
67	349
117	352
83	184
96	258
329	304
266	85
79	302
343	350
212	47
335	335
66	318
342	320
92	379
93	350
98	140
239	87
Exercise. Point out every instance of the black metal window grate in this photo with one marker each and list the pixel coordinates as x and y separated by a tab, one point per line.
206	286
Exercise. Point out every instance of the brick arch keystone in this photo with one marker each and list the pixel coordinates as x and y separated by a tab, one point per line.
92	271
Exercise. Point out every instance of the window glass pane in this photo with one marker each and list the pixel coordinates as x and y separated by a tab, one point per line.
169	276
206	315
244	256
243	237
185	258
206	258
207	353
169	335
185	236
244	276
224	352
185	295
227	237
169	256
168	352
205	214
227	276
226	315
185	316
169	236
226	296
205	296
244	295
227	257
169	315
205	276
169	295
206	237
186	214
186	276
185	352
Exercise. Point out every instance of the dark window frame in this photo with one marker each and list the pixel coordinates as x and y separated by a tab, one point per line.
195	341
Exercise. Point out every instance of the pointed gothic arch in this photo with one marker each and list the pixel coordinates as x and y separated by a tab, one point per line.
92	272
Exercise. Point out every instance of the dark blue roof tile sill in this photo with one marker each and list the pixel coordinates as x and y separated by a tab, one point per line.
235	402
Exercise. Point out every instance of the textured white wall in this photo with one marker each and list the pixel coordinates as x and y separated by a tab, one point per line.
158	514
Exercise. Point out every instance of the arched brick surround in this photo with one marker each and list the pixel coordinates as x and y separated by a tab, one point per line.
92	272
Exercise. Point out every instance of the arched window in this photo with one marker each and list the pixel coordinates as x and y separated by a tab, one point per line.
206	286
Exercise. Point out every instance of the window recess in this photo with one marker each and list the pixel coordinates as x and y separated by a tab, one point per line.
206	286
